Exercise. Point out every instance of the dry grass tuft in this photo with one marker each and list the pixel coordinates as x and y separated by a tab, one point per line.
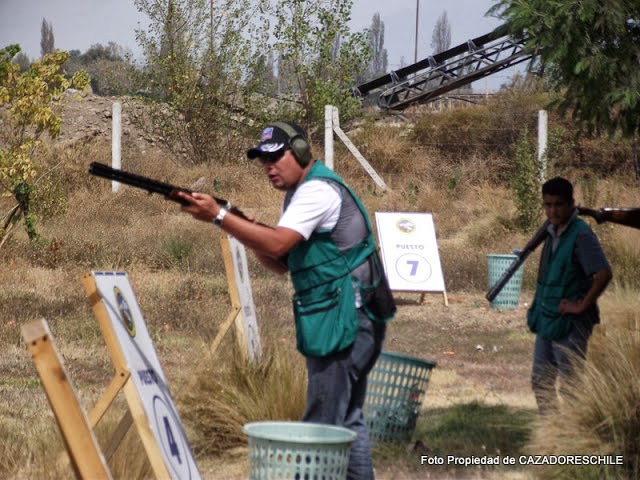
227	393
599	414
32	450
386	148
130	459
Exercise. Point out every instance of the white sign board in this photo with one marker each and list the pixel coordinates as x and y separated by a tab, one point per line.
248	309
410	251
146	373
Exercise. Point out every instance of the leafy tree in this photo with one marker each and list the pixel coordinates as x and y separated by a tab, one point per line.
590	50
28	109
209	62
47	39
306	32
110	67
112	52
111	70
113	77
205	59
441	36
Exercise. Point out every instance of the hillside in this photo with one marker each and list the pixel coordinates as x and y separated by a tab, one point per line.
88	116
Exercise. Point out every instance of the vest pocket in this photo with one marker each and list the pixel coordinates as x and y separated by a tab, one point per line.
545	319
326	318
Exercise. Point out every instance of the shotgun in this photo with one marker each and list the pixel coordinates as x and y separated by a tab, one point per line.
539	237
153	186
629	217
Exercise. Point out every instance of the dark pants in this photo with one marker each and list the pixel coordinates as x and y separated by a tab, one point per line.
337	388
556	358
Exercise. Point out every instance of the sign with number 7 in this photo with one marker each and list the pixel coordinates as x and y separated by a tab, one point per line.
410	251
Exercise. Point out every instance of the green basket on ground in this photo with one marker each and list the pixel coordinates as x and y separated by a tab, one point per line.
298	451
395	389
509	296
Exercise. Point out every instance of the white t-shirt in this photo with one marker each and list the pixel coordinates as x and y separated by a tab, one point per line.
315	205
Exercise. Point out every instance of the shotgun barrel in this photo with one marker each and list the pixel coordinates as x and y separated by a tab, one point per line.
170	192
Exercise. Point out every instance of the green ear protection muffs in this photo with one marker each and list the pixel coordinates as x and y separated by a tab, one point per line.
297	142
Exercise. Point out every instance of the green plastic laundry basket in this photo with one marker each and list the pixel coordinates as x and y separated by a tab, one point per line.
509	296
396	386
298	451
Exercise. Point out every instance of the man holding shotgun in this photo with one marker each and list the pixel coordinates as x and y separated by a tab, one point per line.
573	273
324	240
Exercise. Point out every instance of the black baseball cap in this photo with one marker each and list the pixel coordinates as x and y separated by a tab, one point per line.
273	140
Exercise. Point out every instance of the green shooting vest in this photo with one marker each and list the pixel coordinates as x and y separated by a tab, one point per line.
324	300
562	278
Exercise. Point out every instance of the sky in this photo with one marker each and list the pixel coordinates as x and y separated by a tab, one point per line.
78	24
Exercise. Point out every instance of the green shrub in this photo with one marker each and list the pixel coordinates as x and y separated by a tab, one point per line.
526	184
176	252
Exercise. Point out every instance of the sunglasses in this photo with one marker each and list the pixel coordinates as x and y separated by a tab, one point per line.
272	158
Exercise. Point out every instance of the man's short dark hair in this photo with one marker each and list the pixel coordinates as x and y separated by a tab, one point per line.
560	187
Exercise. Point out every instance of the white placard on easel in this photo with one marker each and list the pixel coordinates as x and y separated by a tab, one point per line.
143	381
242	316
409	252
247	307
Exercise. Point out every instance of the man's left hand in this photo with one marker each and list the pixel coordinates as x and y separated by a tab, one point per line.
201	206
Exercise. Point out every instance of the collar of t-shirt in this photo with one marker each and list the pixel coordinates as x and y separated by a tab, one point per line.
556	234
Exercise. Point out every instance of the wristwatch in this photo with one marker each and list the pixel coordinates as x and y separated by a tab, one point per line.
218	220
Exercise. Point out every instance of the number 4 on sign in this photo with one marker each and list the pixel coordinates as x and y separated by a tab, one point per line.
173	446
140	377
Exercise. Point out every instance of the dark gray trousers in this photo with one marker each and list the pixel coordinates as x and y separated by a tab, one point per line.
337	389
556	358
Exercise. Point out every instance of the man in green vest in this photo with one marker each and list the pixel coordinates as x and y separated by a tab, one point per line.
573	273
342	300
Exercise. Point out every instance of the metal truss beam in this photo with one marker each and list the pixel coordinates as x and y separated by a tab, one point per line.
439	74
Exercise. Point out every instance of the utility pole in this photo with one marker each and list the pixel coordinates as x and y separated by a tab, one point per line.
415	54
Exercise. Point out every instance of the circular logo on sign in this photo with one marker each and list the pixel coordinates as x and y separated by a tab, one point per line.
125	312
172	440
405	225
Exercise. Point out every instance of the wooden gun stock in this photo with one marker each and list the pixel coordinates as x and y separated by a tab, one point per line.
622	216
537	239
153	186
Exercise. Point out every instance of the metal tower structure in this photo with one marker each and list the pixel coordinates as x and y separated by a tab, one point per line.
436	75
